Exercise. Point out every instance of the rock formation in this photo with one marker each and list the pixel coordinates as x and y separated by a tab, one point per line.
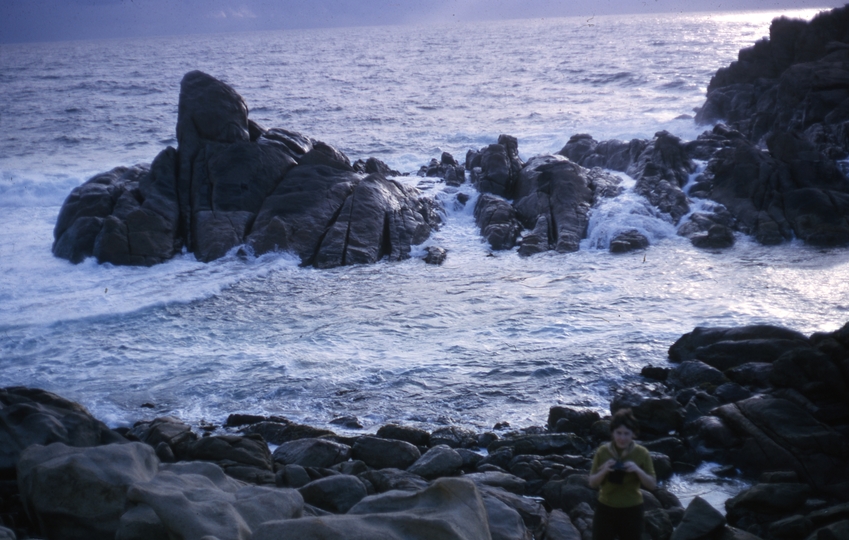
231	182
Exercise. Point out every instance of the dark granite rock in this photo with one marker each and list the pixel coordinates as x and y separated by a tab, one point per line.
498	221
414	436
249	451
569	420
232	182
694	373
542	444
700	521
559	190
657	415
385	453
393	479
81	492
628	241
780	435
688	346
336	494
280	433
174	433
312	452
440	460
435	255
662	169
31	416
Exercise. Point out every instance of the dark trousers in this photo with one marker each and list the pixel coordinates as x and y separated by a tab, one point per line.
622	523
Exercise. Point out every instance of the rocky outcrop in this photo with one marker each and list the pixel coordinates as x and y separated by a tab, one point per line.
231	182
788	92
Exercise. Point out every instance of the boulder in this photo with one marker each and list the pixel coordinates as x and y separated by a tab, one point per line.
495	172
774	499
612	154
542	444
312	452
197	500
385	480
532	512
277	432
751	374
628	241
335	494
453	436
30	416
170	432
688	346
657	415
435	255
81	493
507	482
127	216
566	496
414	436
504	522
450	508
661	170
700	521
385	453
694	373
559	190
560	527
497	221
569	420
778	434
251	451
440	460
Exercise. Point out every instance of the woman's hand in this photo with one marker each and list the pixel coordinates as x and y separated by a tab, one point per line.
596	479
646	479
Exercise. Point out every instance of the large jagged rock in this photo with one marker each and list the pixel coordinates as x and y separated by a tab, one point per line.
795	80
497	220
691	346
76	493
450	508
232	182
557	191
662	169
30	416
197	500
127	216
790	91
778	434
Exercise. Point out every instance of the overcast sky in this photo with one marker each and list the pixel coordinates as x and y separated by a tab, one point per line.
54	20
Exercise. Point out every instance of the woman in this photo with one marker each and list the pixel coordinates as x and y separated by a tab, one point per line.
620	467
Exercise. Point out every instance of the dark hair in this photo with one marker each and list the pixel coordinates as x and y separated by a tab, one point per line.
625	417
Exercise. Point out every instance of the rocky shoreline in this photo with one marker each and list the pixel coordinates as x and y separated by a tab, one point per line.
774	170
765	402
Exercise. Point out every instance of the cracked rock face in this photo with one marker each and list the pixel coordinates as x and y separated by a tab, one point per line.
231	182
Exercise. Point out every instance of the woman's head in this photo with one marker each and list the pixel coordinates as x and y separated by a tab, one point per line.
624	427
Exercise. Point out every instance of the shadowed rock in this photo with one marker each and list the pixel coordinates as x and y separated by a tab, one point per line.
232	182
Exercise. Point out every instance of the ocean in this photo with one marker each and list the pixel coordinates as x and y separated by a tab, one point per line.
488	336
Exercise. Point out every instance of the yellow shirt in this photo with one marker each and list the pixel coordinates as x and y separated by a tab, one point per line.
628	492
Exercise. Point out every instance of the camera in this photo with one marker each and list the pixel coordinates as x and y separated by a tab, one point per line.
617	473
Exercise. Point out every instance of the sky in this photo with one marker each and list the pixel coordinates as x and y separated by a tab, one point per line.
63	20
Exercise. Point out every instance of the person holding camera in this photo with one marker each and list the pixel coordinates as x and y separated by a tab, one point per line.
620	468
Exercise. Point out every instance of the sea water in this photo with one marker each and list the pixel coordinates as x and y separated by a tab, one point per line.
486	337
